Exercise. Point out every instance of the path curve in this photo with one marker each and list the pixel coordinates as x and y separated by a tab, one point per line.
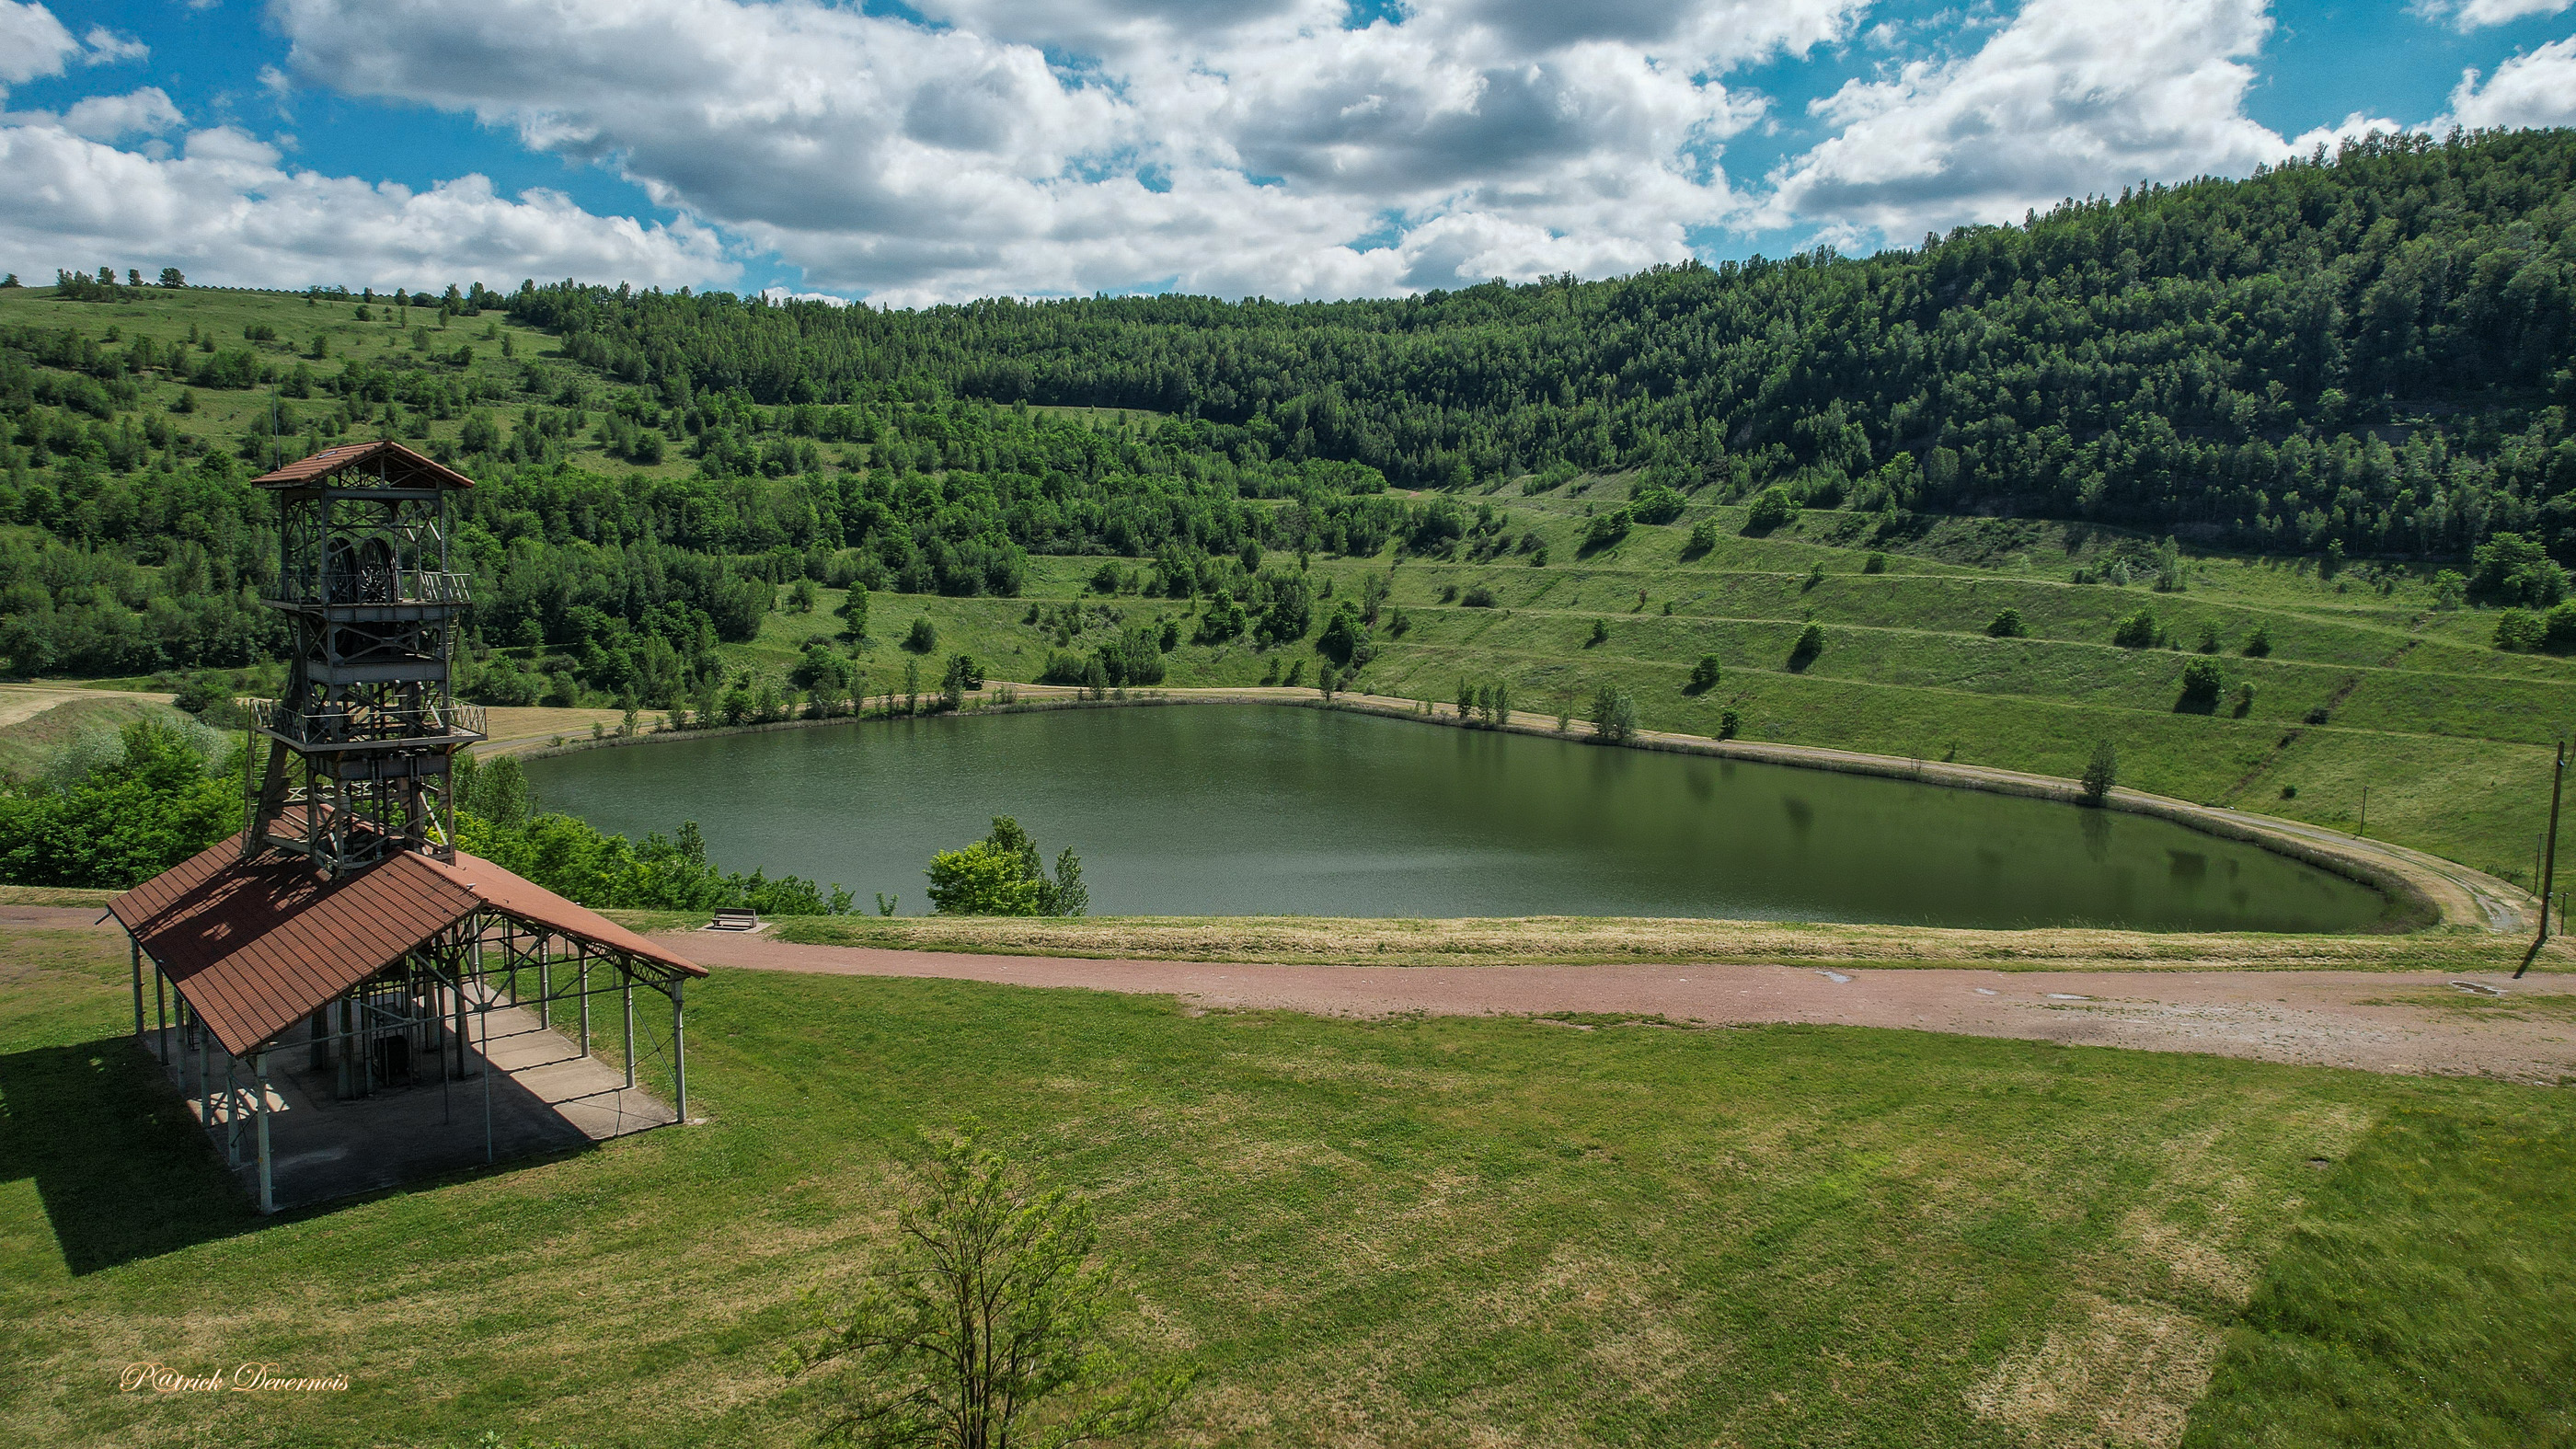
2379	1021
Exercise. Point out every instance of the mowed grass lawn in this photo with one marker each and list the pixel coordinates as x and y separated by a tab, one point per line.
1445	1231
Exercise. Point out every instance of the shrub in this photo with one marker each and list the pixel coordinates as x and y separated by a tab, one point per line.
1728	722
1703	537
2558	629
2208	639
2101	775
1655	503
922	637
985	1255
2007	625
2244	700
2511	569
1614	715
1477	597
1771	508
1811	642
2202	683
1600	633
1001	875
1814	577
2138	631
2519	631
2258	645
1605	529
1876	563
1703	676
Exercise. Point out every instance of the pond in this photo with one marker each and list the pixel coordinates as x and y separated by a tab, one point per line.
1261	810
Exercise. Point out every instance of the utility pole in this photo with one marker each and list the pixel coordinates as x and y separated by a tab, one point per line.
2548	858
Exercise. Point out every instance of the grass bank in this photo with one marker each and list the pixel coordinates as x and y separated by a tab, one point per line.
1593	940
1422	1231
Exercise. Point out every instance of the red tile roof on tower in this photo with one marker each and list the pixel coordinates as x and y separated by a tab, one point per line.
258	945
397	462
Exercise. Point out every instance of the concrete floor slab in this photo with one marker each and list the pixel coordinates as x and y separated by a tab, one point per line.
542	1096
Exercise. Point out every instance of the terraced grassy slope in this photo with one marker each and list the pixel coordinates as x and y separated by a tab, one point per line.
2449	735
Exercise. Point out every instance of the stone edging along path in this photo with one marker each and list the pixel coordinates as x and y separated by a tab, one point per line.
2434	891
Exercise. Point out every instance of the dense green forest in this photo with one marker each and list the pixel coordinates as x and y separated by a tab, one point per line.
2368	353
2372	350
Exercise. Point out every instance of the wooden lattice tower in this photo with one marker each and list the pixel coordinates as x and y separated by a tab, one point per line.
365	734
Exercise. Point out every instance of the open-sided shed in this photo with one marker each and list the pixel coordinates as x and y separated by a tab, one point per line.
381	975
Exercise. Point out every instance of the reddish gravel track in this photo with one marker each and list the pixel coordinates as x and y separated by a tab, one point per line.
2378	1021
2407	1022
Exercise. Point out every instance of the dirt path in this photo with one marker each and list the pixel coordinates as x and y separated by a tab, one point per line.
21	702
2379	1021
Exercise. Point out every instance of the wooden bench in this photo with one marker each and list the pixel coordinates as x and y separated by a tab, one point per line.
735	920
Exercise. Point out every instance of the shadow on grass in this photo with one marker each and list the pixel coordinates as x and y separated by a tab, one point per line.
116	1157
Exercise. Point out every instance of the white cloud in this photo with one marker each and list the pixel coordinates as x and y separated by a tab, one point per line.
1068	145
2537	88
106	47
226	212
2351	128
32	43
148	111
2072	97
2477	14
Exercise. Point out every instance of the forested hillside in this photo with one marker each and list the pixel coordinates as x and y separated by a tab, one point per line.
2372	350
2286	465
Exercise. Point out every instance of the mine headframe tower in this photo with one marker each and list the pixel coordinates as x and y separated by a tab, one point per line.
364	736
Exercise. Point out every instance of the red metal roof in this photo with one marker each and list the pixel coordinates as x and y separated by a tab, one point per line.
257	945
518	896
396	462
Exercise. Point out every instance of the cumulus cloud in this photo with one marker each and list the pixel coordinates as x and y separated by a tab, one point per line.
32	43
148	111
227	212
2070	97
2351	128
2537	88
2477	14
1020	146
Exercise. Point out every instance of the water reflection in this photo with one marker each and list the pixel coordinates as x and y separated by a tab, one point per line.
1251	810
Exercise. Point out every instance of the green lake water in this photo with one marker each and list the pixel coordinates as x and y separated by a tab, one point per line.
1258	810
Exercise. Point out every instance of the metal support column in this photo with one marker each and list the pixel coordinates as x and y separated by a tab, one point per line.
582	967
161	1013
205	1081
137	948
232	1113
626	989
267	1188
545	988
679	1057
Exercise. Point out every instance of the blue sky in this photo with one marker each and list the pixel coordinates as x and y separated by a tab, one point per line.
1290	148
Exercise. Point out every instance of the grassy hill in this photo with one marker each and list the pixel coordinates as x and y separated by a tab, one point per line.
2370	681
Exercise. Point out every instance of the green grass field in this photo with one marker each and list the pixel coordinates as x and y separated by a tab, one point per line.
1425	1231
